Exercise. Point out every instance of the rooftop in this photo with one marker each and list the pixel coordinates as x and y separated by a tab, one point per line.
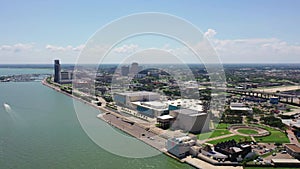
293	147
236	149
288	161
184	139
193	104
137	93
190	112
239	106
165	117
156	105
291	122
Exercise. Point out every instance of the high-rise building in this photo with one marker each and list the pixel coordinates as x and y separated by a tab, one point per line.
57	71
65	75
134	69
125	70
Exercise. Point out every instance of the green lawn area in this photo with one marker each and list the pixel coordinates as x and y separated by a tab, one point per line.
222	125
237	138
215	133
247	131
204	136
276	136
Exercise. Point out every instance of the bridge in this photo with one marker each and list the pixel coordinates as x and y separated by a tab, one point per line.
283	98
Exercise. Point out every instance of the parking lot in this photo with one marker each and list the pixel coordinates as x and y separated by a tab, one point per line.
264	148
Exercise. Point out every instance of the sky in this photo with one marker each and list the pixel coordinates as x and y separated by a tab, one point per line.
245	31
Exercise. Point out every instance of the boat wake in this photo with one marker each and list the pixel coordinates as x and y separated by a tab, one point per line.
7	107
10	112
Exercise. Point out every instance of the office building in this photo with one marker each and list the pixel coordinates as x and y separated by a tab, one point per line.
151	108
134	69
124	70
240	107
125	99
164	121
62	77
293	150
66	77
57	70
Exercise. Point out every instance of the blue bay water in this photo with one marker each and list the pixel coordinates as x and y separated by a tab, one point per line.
19	71
39	129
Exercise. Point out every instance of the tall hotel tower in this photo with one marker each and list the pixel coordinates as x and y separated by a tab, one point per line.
56	71
134	69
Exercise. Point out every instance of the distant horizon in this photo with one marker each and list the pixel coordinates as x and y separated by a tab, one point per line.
46	64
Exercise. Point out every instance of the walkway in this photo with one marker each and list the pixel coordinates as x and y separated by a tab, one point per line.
216	138
292	137
202	164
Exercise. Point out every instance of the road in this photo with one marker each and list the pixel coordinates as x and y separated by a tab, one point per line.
136	131
281	89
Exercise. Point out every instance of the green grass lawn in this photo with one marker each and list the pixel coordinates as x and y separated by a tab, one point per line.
276	136
237	138
204	136
222	125
247	131
215	133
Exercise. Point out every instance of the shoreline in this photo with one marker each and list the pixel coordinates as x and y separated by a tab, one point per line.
193	162
105	111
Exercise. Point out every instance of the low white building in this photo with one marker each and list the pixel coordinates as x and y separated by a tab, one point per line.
192	104
180	146
126	98
240	107
151	108
292	122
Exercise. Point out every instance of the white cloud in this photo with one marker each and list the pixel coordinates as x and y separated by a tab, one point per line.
79	48
64	49
17	47
257	50
126	48
252	50
210	33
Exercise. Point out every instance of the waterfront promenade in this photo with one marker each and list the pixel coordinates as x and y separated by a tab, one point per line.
134	130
